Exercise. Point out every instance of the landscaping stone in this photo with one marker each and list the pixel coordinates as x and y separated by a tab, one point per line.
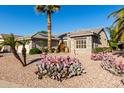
12	71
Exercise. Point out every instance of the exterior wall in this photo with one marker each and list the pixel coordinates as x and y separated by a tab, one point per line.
75	50
69	43
4	48
28	47
95	41
103	40
38	43
1	39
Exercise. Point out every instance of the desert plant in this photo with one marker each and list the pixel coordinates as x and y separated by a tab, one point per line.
48	9
59	68
34	51
97	56
109	63
12	42
43	49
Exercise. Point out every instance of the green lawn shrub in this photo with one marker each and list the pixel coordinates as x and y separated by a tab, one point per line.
100	49
34	51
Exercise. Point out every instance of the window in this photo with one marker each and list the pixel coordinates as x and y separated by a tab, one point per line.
81	43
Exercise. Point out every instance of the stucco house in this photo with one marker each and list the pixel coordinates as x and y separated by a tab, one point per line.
6	48
37	40
80	41
84	40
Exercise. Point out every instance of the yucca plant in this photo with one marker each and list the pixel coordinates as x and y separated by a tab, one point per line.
49	10
12	42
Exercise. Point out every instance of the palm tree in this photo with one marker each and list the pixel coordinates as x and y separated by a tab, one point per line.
112	33
23	43
48	9
112	41
12	42
118	24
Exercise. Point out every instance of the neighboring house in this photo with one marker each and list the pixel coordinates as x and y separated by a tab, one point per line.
6	48
38	40
83	41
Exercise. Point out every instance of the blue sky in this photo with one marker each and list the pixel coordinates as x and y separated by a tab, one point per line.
23	20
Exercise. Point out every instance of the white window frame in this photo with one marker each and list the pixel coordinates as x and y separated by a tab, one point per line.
80	43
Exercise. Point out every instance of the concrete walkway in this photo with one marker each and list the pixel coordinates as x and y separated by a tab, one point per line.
6	84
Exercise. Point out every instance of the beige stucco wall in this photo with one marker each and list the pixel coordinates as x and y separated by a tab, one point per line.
4	48
103	40
36	43
27	46
72	46
1	39
43	43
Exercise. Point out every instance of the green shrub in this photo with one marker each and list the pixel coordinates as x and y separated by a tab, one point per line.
113	45
44	50
34	51
99	49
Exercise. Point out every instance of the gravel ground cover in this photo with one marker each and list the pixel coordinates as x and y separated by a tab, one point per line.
12	71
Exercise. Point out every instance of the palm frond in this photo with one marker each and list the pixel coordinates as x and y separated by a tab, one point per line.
40	8
113	14
47	8
9	40
117	13
23	42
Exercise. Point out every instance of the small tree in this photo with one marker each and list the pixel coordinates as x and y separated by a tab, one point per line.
12	42
23	43
113	40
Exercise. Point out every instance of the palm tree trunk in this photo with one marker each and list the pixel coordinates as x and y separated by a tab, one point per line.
24	55
49	30
16	55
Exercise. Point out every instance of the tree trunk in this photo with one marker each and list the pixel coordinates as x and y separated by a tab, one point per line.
16	55
49	30
24	55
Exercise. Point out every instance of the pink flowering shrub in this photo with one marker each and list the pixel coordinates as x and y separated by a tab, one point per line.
109	63
97	56
59	68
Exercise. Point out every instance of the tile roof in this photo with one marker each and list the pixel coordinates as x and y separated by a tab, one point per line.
9	35
43	36
85	32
